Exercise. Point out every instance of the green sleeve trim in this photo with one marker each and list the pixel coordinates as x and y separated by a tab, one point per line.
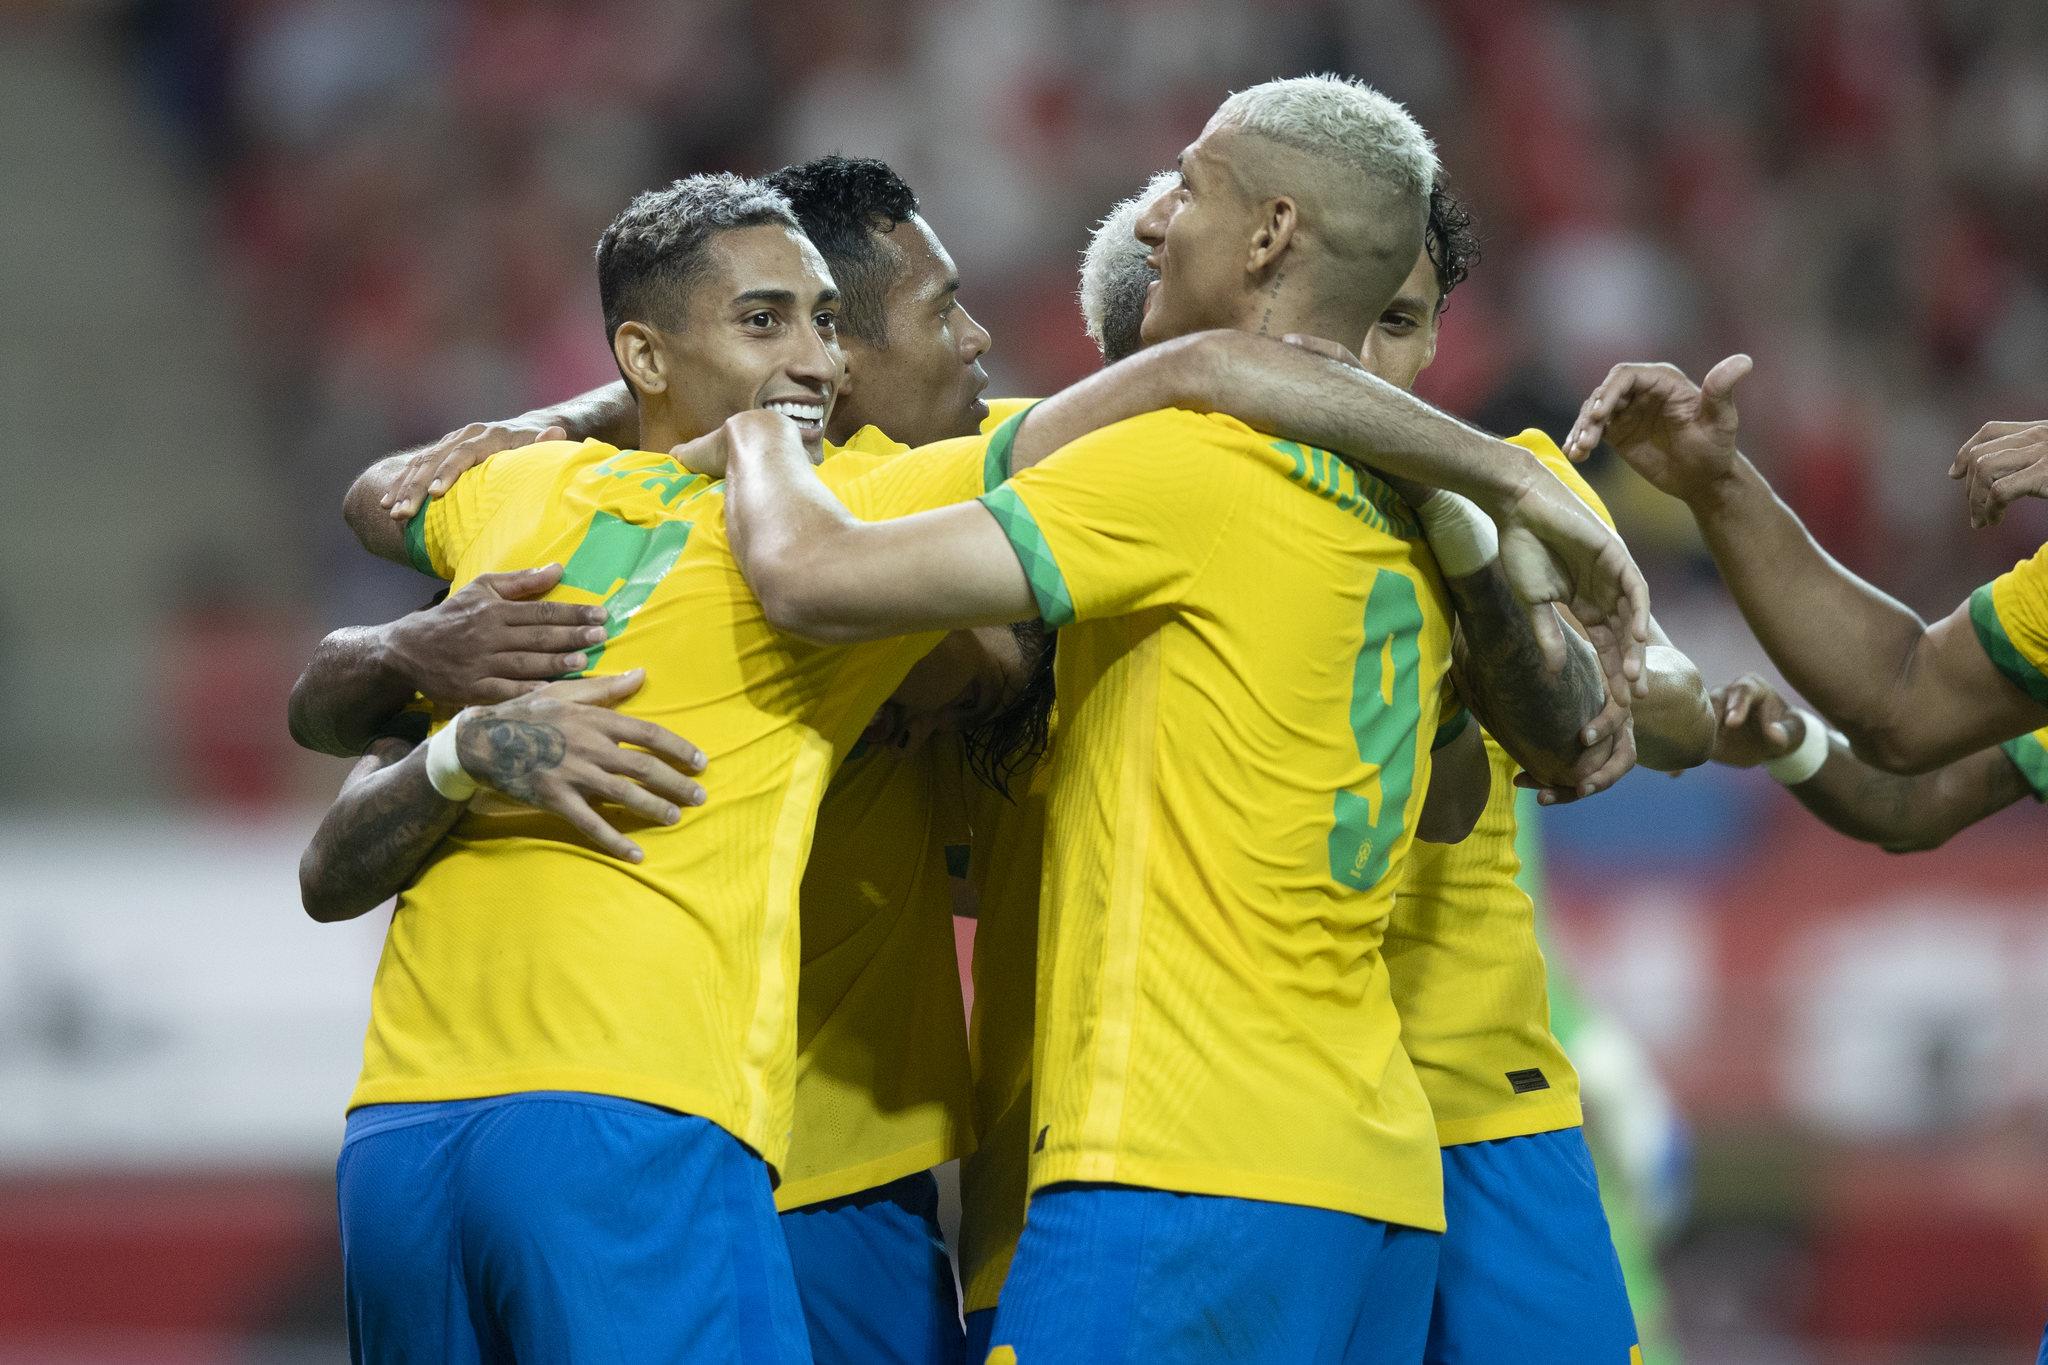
1448	730
2031	758
416	543
995	469
2005	656
1048	585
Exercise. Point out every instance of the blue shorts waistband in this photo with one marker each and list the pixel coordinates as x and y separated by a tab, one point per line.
370	1119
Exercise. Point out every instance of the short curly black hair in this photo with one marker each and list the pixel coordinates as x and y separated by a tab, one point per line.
1453	247
843	203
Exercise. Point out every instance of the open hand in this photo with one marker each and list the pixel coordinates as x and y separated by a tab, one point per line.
1677	434
2002	462
492	639
433	470
563	749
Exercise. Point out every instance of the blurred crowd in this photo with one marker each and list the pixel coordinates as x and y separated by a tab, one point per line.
1854	191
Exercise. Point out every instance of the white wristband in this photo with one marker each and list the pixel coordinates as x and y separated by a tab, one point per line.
1463	537
1806	760
444	764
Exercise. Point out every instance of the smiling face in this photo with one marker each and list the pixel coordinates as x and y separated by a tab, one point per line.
921	379
1403	342
758	329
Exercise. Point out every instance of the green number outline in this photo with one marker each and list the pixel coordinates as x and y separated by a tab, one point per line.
624	563
1388	735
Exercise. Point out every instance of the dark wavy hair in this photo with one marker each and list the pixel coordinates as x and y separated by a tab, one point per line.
1009	744
843	204
1452	245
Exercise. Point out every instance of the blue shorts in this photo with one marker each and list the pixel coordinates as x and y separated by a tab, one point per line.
1108	1273
1529	1273
559	1227
981	1329
874	1277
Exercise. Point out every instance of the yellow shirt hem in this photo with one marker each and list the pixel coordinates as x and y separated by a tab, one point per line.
985	1290
1409	1210
1518	1122
815	1189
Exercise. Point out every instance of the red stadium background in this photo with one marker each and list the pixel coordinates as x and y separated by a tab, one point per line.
247	247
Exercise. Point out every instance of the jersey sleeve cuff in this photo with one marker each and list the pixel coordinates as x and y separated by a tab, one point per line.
1048	585
2031	758
995	469
416	543
1450	729
2005	655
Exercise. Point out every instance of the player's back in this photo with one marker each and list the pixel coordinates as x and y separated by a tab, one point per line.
521	958
1248	688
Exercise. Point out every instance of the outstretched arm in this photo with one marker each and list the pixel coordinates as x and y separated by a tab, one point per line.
1898	813
1909	696
398	485
561	749
1554	550
795	541
487	642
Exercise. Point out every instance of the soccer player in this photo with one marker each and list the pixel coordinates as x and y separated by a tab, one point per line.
1528	1271
881	1076
1902	814
577	1075
1909	696
1277	1195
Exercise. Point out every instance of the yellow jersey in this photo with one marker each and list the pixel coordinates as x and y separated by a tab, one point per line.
521	958
882	1087
2011	616
1468	975
1252	648
1004	866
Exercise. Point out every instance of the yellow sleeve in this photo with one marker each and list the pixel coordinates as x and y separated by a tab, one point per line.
1001	410
1554	460
2029	753
1124	519
442	531
936	475
2011	616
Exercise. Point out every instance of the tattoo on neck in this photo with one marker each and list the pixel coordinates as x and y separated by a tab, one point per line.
508	755
1272	296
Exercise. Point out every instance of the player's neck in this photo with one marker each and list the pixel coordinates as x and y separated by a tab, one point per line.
660	429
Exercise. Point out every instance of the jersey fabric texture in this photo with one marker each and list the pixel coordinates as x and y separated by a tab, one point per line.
1528	1274
873	1276
1008	853
561	1227
2011	616
1109	1274
1252	648
1467	970
521	958
882	1087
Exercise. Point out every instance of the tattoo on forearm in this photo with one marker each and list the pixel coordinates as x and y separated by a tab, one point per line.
1526	705
378	834
509	755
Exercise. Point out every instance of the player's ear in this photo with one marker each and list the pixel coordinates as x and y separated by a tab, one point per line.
1278	220
643	361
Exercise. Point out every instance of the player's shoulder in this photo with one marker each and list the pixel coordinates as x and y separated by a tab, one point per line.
869	440
1547	452
562	454
1537	442
1001	410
